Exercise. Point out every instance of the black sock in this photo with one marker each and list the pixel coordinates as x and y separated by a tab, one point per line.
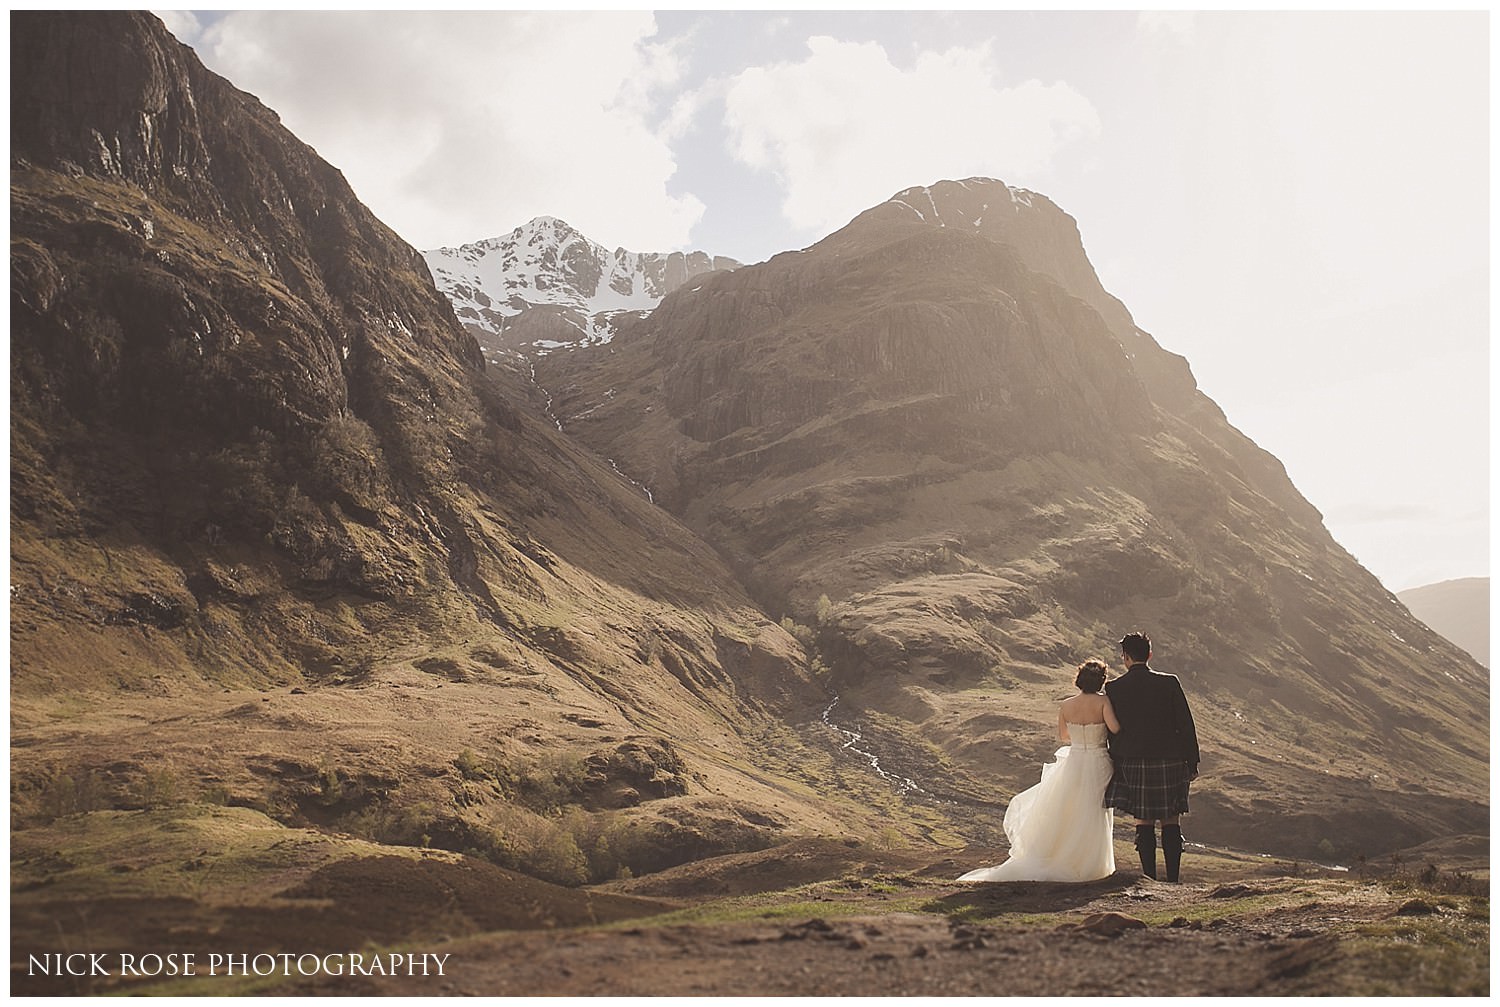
1171	849
1145	845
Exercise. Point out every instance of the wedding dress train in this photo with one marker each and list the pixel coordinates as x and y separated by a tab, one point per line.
1060	830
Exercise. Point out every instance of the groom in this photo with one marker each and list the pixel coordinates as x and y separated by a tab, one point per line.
1155	754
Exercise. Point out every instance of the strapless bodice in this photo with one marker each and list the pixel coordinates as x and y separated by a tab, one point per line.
1088	735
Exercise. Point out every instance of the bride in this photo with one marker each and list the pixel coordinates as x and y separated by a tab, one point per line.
1060	830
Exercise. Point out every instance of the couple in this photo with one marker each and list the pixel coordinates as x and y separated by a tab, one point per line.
1062	828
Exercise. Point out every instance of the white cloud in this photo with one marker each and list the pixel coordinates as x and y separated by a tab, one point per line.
1167	26
683	117
845	128
460	126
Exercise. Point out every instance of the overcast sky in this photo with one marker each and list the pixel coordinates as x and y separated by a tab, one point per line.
1297	202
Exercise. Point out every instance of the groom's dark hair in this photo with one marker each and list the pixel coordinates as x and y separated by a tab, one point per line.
1137	646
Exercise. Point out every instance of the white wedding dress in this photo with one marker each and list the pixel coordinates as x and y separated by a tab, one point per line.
1060	830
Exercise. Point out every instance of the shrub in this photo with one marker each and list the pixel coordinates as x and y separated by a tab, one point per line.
551	782
804	634
71	792
349	460
824	609
385	823
613	845
157	789
547	783
330	786
539	846
216	793
469	765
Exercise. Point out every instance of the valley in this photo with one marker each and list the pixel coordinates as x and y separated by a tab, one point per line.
350	609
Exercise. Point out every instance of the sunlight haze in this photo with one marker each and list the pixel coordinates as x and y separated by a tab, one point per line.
1298	203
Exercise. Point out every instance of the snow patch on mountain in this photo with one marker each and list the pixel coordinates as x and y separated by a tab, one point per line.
956	208
913	209
577	285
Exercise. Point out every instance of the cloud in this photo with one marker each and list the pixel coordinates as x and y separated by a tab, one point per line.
844	128
460	126
1374	513
1167	26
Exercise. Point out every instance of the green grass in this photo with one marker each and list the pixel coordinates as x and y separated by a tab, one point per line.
735	911
1209	910
1439	955
189	849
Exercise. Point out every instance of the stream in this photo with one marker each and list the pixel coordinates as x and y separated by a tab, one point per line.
551	415
531	369
852	740
640	486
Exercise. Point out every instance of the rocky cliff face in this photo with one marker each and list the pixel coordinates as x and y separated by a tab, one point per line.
280	538
545	286
940	448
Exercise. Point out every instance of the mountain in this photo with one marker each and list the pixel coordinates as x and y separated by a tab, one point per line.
1458	609
545	286
323	633
951	461
307	593
281	541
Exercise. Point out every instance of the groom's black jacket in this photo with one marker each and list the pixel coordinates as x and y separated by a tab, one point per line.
1155	722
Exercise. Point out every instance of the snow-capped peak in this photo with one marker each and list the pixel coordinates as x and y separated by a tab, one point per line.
962	203
548	263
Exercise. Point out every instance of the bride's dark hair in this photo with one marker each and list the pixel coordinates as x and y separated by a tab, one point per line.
1091	676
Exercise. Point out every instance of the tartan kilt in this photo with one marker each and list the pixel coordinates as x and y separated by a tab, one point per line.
1149	789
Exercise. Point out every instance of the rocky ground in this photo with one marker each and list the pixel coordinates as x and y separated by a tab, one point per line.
830	917
920	934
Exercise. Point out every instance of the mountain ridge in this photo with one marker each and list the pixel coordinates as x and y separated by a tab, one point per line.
1459	609
956	472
